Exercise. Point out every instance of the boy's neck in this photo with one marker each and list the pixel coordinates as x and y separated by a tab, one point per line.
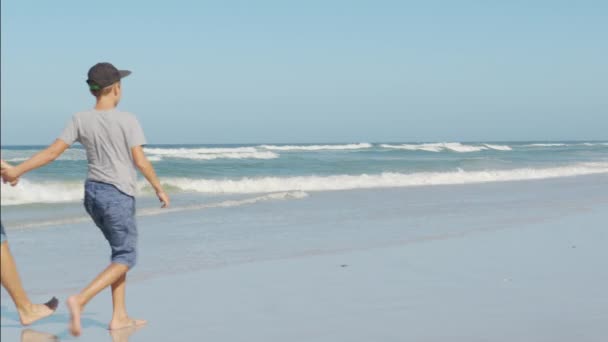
105	104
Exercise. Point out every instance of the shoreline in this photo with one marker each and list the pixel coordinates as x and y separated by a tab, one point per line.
184	200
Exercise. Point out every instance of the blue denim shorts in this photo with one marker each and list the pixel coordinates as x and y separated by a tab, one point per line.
114	213
2	233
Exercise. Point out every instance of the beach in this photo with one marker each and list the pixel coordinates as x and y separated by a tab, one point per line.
500	261
337	171
332	171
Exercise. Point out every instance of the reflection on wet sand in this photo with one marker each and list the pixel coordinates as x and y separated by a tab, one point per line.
29	335
122	335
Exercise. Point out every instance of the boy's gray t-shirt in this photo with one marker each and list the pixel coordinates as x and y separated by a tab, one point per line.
107	137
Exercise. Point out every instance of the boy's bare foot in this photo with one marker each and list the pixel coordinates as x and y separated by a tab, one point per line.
36	312
128	322
74	307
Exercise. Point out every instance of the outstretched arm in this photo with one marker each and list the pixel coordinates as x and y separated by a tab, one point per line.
146	168
38	160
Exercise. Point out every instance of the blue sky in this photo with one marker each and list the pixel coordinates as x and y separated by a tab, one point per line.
313	71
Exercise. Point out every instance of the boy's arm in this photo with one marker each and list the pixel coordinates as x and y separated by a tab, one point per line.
146	168
38	160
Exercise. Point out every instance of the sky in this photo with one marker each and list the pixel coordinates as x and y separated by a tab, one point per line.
229	72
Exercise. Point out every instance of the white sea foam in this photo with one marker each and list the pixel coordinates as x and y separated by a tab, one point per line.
288	195
384	180
54	192
415	147
439	147
499	147
210	153
547	145
158	154
458	147
359	146
16	159
595	144
22	155
28	192
590	144
229	155
201	150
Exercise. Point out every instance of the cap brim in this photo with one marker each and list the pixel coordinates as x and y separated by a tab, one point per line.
124	73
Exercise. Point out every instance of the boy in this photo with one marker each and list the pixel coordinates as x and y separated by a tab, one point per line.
9	277
113	141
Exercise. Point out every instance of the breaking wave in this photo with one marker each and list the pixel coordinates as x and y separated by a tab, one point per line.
29	192
360	146
453	147
157	154
15	156
547	145
499	147
383	180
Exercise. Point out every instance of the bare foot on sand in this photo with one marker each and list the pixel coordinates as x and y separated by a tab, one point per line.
36	312
74	307
29	335
122	335
117	324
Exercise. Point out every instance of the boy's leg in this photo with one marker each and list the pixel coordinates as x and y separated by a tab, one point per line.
114	213
77	302
9	277
119	312
120	318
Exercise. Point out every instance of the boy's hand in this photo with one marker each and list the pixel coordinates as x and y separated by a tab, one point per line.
4	165
163	198
9	174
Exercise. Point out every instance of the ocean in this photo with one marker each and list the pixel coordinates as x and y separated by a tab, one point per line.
330	237
200	176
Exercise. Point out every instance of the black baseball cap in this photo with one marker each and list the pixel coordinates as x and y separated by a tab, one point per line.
104	74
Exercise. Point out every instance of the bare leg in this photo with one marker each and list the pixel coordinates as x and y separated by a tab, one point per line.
118	298
77	302
120	318
28	312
